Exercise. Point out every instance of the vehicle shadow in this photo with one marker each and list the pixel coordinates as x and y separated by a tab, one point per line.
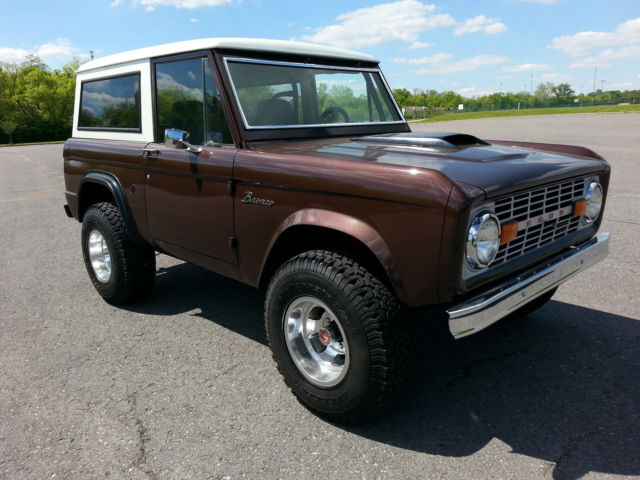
186	287
561	385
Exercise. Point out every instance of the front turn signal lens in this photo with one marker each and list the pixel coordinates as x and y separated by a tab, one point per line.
509	232
579	208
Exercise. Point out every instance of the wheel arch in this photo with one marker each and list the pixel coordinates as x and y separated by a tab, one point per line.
312	229
98	187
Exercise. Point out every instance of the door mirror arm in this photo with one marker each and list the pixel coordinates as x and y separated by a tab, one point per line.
175	138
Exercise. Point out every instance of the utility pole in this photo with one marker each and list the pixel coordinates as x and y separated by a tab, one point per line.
595	71
531	92
500	97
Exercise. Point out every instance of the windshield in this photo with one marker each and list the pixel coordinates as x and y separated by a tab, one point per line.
276	95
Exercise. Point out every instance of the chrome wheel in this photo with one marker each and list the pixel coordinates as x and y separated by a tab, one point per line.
99	256
316	341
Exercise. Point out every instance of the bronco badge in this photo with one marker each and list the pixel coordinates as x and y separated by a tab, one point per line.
249	198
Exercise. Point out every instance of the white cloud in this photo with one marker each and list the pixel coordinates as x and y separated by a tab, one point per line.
466	65
188	4
13	55
401	21
149	9
99	101
589	64
579	44
418	45
490	26
473	92
603	58
437	59
467	91
194	20
115	3
61	49
167	81
527	67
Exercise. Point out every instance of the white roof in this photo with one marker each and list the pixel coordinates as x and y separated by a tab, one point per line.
255	44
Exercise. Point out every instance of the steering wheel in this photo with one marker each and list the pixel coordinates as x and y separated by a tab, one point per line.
331	110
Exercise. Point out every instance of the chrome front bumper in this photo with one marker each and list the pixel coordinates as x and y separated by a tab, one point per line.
479	312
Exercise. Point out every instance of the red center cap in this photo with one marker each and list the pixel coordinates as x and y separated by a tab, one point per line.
325	336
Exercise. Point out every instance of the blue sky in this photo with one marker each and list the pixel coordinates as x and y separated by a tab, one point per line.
471	47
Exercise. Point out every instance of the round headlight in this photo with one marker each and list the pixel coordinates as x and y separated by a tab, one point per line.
483	240
594	201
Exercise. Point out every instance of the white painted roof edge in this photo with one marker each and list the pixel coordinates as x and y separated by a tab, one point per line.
255	44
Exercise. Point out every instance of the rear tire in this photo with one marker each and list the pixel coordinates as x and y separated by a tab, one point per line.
120	270
338	336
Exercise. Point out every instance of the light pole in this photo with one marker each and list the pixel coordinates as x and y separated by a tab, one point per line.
531	92
595	71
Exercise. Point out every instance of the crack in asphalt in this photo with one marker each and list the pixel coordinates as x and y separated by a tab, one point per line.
141	461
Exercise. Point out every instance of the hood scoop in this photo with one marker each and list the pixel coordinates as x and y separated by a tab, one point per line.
428	140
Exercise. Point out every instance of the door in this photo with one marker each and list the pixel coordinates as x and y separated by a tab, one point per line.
188	195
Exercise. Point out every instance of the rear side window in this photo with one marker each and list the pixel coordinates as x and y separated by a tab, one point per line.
111	103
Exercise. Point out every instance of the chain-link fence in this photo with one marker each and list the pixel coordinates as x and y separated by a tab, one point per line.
419	112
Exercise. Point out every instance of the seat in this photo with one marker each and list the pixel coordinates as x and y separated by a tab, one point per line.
274	111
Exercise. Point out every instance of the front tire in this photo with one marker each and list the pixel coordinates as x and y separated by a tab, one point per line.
337	335
120	270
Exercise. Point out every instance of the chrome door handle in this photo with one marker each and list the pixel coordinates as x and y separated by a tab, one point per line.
147	152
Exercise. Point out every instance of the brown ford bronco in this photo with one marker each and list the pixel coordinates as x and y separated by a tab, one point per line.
289	167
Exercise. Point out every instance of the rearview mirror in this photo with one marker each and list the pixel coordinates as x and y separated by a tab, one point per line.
175	138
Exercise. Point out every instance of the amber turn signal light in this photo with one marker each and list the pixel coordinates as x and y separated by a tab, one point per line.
509	232
579	208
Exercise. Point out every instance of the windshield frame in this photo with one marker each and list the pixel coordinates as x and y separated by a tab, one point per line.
391	125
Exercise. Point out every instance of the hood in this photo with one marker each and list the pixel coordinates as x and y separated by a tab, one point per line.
493	167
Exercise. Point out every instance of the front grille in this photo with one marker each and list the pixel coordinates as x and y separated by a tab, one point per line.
534	204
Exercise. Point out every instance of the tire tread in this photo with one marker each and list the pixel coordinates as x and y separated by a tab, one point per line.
387	329
135	269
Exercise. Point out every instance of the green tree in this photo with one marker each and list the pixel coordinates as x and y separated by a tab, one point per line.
36	103
402	96
8	127
563	93
544	92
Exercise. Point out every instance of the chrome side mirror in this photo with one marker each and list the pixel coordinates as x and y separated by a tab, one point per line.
175	138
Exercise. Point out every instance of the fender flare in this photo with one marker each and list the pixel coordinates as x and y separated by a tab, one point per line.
345	224
112	184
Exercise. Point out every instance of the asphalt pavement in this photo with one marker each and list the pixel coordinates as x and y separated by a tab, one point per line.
182	386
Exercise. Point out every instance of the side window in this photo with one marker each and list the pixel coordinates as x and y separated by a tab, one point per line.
111	103
187	99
